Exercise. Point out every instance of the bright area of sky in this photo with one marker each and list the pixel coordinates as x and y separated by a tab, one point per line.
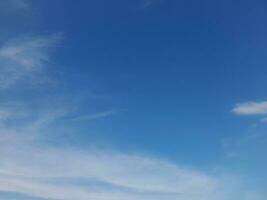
133	100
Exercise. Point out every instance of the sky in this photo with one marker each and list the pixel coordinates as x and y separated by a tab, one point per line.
133	100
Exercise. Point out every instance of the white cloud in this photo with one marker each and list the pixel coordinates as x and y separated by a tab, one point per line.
23	57
251	108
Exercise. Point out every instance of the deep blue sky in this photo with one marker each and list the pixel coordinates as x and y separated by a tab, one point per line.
176	68
153	77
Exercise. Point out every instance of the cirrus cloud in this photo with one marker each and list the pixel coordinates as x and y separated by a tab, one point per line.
25	56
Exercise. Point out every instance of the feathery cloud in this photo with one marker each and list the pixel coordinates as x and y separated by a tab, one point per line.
95	116
62	174
23	57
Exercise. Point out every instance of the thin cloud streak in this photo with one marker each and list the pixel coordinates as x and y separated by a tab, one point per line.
95	116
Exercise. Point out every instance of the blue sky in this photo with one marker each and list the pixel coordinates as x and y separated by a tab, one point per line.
133	100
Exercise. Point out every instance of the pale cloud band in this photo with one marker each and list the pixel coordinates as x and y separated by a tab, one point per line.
64	174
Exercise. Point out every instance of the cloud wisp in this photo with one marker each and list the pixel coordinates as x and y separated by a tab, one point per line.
23	57
95	116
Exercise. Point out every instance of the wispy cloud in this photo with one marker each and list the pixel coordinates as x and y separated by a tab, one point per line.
251	108
23	57
95	116
60	173
63	174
